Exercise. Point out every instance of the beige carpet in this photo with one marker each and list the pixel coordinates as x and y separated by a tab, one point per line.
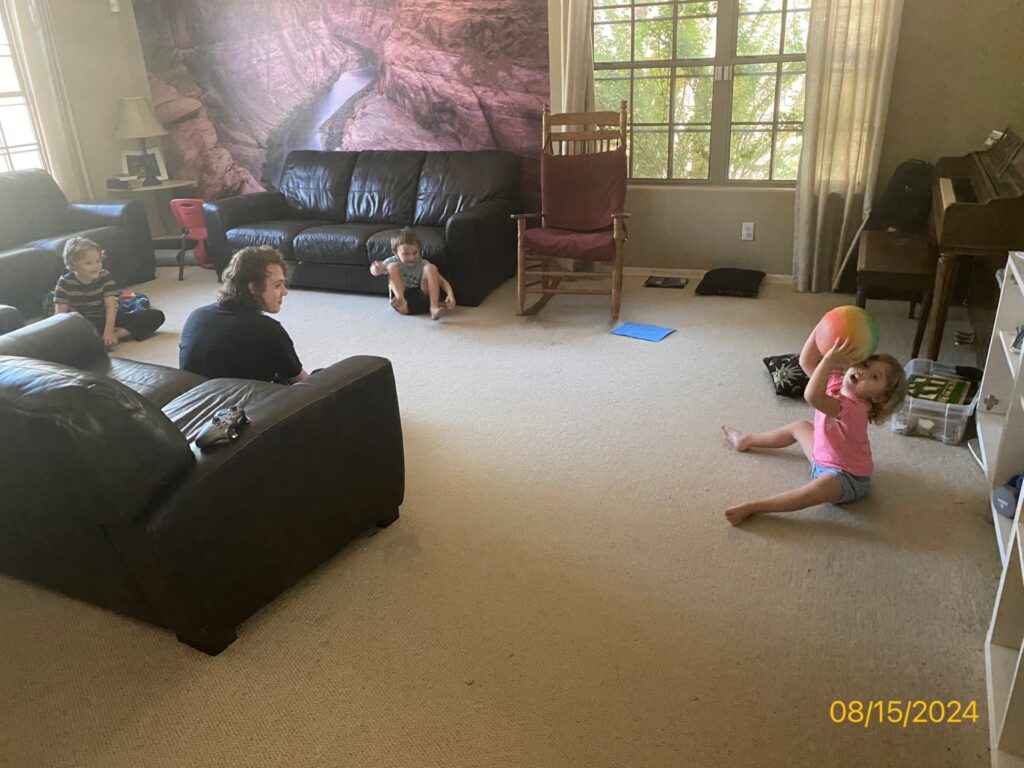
561	589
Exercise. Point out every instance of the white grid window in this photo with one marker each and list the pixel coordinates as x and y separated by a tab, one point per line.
19	139
715	86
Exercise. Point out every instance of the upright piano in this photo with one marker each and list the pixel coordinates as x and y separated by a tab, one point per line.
977	210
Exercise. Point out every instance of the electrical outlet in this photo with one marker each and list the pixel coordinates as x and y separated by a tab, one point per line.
747	231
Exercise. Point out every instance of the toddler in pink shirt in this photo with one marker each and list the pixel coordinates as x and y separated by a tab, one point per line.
846	396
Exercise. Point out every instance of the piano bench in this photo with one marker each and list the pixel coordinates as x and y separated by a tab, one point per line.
897	265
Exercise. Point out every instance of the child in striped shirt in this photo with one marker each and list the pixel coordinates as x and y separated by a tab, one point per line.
87	288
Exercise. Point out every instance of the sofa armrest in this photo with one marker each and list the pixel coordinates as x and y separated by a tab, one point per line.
65	338
481	249
10	319
230	212
319	463
138	262
344	415
90	215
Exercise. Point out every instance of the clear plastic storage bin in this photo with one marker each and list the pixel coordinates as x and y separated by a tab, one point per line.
939	421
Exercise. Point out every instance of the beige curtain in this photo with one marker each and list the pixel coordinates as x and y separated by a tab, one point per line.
576	57
851	50
30	26
573	63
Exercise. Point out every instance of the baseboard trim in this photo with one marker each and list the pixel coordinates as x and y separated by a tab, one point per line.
693	273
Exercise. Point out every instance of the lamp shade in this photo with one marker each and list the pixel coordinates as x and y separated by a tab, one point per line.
135	119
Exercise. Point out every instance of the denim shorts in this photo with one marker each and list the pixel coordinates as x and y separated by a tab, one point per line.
854	487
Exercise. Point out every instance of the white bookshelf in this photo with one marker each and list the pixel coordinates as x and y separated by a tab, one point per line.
999	450
1003	665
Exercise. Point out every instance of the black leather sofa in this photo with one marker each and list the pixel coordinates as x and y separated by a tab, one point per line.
104	498
10	319
35	222
335	212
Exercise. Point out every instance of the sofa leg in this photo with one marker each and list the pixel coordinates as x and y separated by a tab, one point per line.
209	641
388	519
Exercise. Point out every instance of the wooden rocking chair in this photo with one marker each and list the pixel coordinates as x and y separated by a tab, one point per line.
583	192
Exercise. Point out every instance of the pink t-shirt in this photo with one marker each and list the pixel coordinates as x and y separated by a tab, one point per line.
843	442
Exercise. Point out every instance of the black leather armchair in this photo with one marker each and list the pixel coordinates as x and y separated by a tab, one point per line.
35	222
337	211
142	522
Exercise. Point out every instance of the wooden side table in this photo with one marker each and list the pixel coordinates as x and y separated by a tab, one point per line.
157	200
897	265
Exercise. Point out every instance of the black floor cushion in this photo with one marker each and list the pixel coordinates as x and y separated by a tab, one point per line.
729	281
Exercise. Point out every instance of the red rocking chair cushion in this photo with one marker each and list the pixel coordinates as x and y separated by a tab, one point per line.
581	192
564	244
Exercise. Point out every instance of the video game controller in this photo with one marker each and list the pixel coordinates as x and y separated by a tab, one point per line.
223	428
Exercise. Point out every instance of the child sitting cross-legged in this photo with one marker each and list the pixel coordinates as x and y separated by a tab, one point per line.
88	289
414	283
845	397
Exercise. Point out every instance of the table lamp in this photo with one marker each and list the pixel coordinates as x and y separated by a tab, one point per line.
136	120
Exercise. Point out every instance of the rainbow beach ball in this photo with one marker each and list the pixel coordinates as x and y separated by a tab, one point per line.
848	322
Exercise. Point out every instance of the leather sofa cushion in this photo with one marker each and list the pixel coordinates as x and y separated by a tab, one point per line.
384	186
26	275
315	184
452	181
193	410
157	383
31	206
279	234
107	238
81	443
432	239
66	338
336	244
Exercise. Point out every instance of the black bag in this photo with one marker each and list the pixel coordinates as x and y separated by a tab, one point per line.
907	200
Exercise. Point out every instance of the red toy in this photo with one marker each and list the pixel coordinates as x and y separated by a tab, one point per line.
189	215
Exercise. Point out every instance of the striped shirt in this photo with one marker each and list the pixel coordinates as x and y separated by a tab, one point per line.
86	298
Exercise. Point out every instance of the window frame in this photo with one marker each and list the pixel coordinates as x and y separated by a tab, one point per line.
16	54
723	66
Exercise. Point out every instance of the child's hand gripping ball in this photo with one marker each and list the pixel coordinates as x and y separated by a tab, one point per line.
851	323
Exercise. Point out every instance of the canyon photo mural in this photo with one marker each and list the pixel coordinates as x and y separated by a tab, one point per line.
240	83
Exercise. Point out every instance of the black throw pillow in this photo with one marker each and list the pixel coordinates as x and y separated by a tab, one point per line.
787	375
728	281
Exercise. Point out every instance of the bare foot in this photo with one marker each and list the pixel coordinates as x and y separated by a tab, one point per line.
399	303
739	513
436	312
739	440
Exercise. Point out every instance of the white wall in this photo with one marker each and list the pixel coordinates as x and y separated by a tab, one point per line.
959	74
687	227
101	60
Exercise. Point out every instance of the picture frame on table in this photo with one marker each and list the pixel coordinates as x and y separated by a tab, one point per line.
135	163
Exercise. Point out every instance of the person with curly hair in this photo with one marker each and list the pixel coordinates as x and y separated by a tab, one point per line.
234	338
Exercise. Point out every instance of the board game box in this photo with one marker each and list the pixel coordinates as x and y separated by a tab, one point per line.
938	389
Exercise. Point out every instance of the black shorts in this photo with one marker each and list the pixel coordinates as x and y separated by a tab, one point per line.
417	301
141	325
